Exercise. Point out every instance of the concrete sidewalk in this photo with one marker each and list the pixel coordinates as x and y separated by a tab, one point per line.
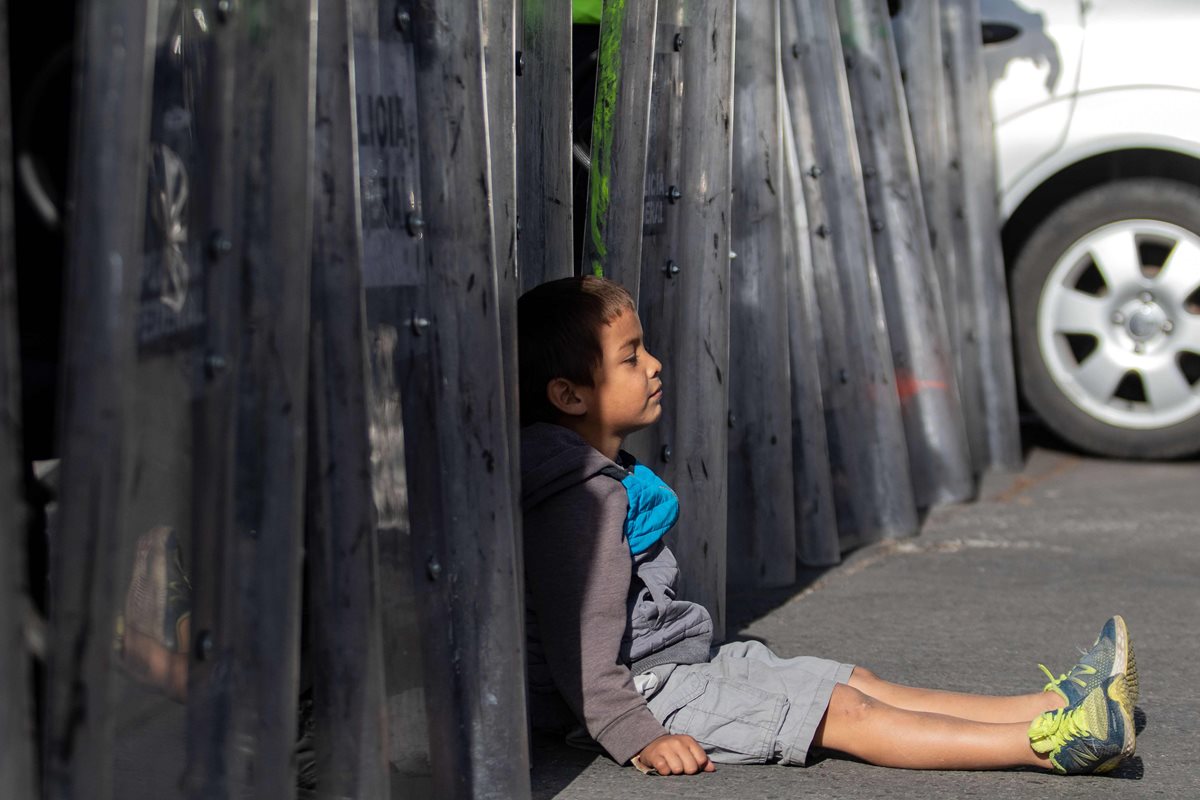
986	592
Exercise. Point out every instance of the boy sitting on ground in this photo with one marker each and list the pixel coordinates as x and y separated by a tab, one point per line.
611	646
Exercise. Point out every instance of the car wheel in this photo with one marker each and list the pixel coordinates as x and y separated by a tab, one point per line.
1106	309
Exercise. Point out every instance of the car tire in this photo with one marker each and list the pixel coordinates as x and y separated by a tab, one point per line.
1106	313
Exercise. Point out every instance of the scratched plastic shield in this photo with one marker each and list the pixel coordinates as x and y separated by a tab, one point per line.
152	631
385	105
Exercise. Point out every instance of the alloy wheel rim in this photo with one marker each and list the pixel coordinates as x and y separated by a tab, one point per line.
1118	324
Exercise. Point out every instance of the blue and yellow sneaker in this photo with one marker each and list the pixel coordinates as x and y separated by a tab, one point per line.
1090	736
1112	654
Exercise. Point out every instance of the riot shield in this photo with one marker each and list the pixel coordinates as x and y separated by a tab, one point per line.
544	186
17	765
816	520
612	235
392	231
500	67
982	292
685	275
762	549
90	553
939	462
876	501
253	216
918	33
157	532
465	512
833	343
348	700
438	405
658	279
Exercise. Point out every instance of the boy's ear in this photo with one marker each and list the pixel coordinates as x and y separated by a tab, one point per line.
564	395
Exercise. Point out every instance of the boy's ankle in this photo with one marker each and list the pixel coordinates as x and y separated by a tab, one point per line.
1053	700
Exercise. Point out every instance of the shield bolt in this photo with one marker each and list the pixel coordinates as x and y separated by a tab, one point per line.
415	225
214	364
218	245
204	645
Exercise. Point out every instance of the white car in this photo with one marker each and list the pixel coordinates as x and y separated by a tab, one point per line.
1097	119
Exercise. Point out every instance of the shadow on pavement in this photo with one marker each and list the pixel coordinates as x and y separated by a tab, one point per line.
744	606
556	765
1131	769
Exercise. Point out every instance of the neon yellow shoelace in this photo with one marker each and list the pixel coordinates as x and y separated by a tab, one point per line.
1054	729
1071	675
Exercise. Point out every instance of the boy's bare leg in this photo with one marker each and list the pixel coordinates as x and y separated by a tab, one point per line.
867	728
976	707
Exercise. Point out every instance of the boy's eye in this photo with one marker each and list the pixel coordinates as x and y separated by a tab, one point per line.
633	359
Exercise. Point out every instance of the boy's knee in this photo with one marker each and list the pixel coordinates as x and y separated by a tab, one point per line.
849	712
850	705
862	676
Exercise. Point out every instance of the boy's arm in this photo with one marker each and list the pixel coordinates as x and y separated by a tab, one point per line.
578	570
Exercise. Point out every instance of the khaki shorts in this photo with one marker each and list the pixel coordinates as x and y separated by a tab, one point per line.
748	705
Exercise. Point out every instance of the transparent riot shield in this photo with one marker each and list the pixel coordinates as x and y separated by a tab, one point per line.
93	549
16	723
500	70
254	215
982	290
835	347
762	544
392	249
816	520
348	701
453	642
156	573
918	34
684	301
875	501
499	26
612	236
658	285
939	462
544	149
462	498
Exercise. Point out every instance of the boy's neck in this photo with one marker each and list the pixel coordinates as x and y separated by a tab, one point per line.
608	444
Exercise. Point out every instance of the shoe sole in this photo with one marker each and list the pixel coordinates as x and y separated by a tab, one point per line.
1125	662
1118	690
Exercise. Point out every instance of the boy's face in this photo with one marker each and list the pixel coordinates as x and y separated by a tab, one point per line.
626	394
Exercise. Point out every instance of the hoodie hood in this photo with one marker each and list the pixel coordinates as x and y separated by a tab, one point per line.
553	459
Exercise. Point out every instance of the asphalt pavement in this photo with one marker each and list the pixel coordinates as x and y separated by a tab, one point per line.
1026	574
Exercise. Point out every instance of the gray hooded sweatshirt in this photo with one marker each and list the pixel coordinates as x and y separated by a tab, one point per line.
595	615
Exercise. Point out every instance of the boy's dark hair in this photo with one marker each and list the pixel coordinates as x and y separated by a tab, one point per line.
558	336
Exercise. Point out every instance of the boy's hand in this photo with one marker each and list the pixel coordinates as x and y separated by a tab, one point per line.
676	754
